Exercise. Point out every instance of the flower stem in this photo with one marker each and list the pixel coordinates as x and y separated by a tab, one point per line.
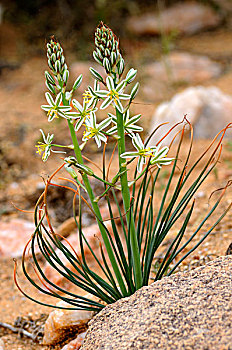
97	212
126	201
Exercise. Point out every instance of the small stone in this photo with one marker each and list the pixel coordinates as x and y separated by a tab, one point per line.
2	345
76	343
67	227
183	18
61	323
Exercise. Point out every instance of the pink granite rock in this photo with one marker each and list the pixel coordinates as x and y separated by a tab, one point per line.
14	235
191	310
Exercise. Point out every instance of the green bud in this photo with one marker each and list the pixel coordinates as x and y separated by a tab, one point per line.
71	171
131	75
96	75
50	87
49	78
65	76
78	82
134	91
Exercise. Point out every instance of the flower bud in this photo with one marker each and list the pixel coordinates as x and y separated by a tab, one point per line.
56	60
96	75
107	47
131	75
134	91
77	83
50	78
71	171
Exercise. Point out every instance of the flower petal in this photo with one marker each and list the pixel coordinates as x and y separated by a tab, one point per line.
104	124
49	99
77	105
78	124
58	99
106	103
110	83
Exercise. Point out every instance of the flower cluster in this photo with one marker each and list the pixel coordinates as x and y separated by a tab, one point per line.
107	92
107	51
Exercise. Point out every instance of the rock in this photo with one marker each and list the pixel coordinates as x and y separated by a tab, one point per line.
207	108
76	343
184	18
14	236
229	249
62	323
191	310
2	345
182	67
92	234
67	227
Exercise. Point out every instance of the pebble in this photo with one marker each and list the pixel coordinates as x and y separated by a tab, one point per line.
59	321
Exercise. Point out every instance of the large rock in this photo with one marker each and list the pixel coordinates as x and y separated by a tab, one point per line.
184	18
182	67
185	311
207	108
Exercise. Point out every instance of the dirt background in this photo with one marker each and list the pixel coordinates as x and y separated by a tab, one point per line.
22	88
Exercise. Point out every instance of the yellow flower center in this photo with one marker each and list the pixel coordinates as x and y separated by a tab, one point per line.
114	95
146	152
87	96
53	111
40	147
92	132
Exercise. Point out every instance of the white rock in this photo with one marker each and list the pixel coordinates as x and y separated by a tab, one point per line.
207	108
61	321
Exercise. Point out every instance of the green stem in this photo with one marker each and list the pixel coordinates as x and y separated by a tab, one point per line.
97	212
126	201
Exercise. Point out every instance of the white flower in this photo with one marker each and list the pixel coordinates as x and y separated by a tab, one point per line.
157	156
83	112
160	157
94	130
54	109
129	123
45	146
113	95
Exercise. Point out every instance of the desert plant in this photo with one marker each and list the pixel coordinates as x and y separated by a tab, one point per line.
126	249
